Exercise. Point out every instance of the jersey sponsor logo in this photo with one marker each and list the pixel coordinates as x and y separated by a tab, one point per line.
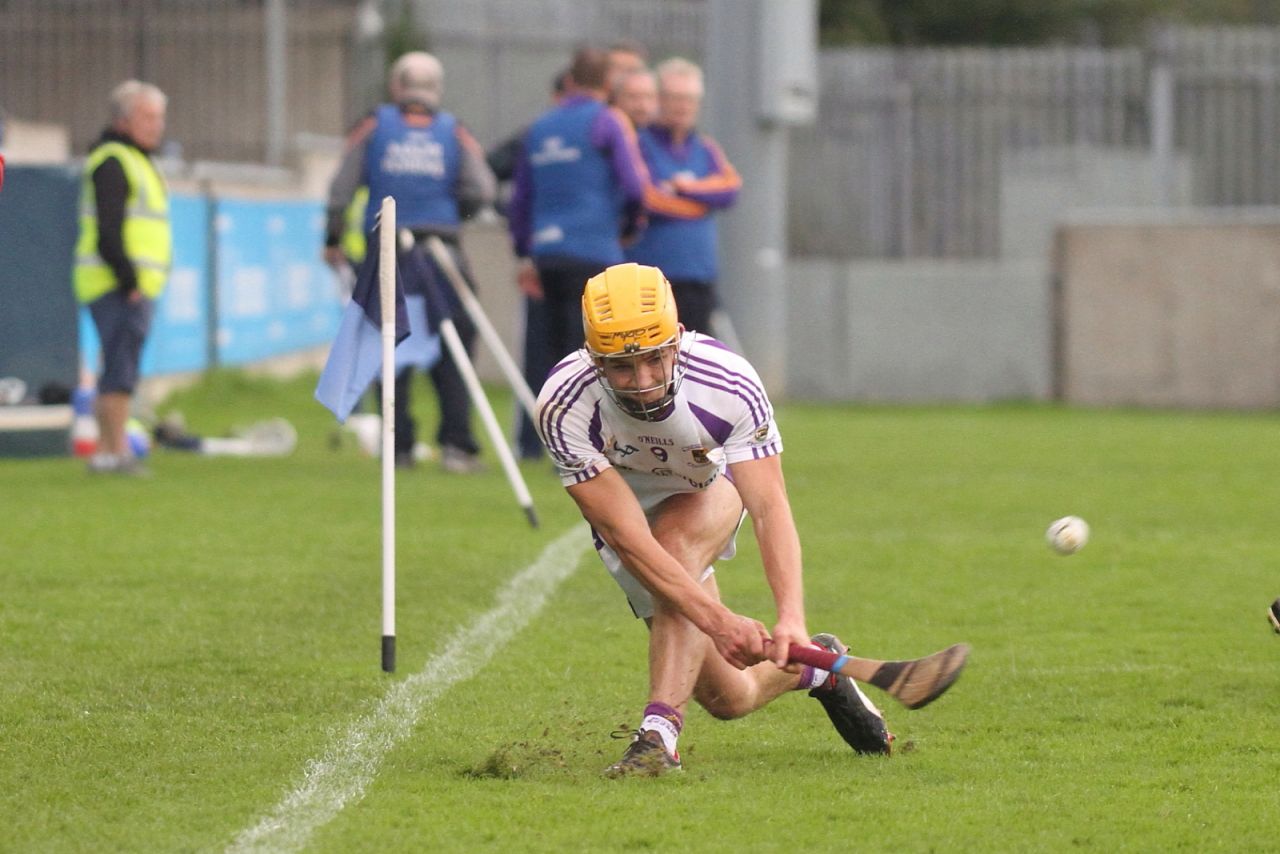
414	156
626	451
554	151
655	440
548	234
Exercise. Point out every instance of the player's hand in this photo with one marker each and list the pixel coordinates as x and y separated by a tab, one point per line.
527	280
786	634
741	641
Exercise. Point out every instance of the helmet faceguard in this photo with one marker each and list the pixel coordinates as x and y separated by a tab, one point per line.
633	336
643	384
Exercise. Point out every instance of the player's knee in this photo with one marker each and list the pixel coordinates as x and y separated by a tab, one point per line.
723	706
691	550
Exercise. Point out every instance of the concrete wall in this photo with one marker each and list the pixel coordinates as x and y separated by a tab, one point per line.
1169	312
918	331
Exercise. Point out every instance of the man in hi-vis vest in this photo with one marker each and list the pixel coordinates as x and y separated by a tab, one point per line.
123	256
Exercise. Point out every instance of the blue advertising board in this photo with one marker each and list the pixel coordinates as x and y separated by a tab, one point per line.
274	293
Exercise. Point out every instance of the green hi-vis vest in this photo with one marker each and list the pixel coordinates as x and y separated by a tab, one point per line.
353	239
148	237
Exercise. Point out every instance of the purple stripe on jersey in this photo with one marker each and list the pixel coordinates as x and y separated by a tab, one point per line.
571	397
719	429
586	474
571	387
759	412
594	430
748	389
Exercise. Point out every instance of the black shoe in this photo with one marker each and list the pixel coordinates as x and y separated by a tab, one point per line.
857	720
645	756
1273	615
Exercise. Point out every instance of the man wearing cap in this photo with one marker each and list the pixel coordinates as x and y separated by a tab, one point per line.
435	170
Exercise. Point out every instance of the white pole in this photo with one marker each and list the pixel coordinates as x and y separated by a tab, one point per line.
460	358
387	297
491	337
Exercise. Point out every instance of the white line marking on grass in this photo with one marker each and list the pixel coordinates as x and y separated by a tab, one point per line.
341	774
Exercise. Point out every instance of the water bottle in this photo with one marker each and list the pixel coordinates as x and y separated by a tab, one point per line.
84	427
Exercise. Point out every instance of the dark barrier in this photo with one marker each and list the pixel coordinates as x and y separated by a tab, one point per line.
39	222
269	296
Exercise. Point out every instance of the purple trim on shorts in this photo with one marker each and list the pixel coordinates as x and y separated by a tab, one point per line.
719	429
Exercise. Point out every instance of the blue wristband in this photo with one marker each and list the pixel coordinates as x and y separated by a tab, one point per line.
838	663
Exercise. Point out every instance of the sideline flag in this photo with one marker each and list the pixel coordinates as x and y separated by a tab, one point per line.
356	355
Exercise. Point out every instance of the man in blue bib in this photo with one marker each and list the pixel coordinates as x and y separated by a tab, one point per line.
691	165
580	187
435	170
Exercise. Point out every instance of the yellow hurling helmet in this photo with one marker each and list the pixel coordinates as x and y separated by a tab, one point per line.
628	308
629	317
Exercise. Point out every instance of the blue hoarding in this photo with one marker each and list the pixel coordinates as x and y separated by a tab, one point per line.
275	295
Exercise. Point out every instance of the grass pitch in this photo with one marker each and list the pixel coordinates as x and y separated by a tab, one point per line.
182	654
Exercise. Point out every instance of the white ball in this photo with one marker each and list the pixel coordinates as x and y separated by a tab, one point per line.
1068	535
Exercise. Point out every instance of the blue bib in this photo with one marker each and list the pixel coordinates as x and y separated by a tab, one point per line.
577	203
416	166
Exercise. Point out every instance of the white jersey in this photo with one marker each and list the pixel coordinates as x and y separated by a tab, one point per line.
721	415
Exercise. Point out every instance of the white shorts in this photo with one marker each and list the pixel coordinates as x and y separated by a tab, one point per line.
640	599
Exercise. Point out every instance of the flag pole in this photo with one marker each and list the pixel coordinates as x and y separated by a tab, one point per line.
491	337
387	301
449	333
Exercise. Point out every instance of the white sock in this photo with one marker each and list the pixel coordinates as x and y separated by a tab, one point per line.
664	728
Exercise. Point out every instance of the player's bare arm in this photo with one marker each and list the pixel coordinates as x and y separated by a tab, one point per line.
610	506
764	494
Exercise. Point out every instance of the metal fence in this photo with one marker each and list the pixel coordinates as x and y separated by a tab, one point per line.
59	60
912	149
500	55
913	155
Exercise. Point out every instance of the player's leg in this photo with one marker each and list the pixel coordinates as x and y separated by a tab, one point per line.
727	692
695	529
